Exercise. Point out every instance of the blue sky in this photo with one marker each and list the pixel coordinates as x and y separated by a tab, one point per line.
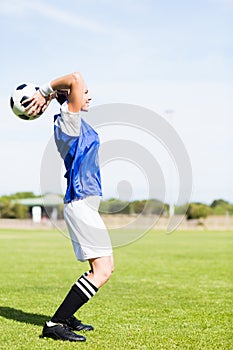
163	55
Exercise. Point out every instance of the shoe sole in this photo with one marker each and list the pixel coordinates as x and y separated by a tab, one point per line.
71	340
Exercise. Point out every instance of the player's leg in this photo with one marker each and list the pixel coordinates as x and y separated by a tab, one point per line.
84	288
80	293
101	270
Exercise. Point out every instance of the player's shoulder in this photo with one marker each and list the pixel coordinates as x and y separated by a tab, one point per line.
68	122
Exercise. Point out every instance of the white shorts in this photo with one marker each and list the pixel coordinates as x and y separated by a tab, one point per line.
87	230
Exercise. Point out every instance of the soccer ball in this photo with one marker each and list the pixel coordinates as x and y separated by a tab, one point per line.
20	94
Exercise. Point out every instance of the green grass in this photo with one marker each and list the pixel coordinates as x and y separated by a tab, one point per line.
167	292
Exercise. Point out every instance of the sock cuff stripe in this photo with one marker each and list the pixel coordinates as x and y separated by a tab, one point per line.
86	284
81	287
90	283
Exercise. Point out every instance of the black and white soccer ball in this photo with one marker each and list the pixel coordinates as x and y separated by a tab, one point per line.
20	94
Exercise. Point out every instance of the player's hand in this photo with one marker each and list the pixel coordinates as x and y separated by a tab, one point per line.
36	104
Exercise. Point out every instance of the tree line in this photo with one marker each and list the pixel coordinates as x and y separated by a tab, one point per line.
10	208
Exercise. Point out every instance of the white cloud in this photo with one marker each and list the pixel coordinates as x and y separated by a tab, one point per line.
68	18
9	7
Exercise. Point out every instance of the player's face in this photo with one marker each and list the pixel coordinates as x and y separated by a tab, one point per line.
86	99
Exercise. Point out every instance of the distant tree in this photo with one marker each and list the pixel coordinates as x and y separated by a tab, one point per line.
137	206
230	209
182	209
154	206
166	209
219	202
119	207
221	207
104	207
9	210
114	206
20	211
197	211
19	195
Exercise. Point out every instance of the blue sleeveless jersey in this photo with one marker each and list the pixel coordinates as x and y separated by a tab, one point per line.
80	154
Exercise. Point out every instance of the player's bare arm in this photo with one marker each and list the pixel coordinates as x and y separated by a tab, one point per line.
73	83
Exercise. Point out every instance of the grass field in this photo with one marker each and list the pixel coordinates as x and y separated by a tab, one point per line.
167	292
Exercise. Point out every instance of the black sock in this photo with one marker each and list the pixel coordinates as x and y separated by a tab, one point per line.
79	294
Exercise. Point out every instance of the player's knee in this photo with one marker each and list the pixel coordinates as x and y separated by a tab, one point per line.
106	274
102	272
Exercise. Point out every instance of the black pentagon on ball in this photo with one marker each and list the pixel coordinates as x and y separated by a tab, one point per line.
23	99
23	116
20	87
11	102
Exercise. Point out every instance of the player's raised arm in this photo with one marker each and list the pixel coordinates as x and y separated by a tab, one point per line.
73	83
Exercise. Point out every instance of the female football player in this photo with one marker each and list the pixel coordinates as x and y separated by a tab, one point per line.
78	145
